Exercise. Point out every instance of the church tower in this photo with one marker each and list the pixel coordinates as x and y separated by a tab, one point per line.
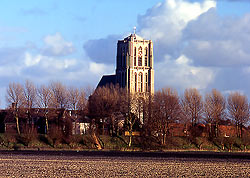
134	64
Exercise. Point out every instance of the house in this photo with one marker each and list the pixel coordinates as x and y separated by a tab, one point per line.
61	119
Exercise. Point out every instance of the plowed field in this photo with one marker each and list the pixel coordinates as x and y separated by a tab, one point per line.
18	165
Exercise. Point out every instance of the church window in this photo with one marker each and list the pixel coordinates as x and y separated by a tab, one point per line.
146	56
140	56
140	82
135	57
124	57
135	82
139	61
146	82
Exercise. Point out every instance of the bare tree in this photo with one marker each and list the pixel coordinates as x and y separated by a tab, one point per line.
131	106
192	106
166	110
238	109
30	98
15	97
103	103
76	102
215	105
89	90
81	106
59	95
73	98
147	114
44	101
82	100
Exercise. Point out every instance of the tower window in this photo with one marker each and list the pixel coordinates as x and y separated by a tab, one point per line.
146	82
135	57
140	82
140	56
124	57
146	61
135	82
139	61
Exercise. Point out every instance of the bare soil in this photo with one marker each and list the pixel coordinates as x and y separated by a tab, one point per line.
94	164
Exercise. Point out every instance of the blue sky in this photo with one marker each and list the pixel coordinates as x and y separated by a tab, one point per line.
202	44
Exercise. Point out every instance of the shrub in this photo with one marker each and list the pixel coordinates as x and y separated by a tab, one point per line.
56	136
28	136
199	142
229	142
245	141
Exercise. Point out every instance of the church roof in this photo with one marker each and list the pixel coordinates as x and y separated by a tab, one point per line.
107	80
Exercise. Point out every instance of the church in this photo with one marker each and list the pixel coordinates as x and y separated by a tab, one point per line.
134	66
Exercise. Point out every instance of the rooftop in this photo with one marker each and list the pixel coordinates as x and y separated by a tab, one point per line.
135	37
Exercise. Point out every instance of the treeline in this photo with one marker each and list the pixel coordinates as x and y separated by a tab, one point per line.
151	115
156	113
22	99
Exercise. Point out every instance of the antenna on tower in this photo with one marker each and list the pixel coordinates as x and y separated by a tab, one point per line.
134	30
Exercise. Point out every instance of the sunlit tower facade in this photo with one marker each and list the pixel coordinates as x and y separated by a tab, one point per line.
134	64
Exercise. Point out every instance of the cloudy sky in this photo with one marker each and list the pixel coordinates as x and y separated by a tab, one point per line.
201	44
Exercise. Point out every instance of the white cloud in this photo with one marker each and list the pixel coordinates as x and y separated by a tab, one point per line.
181	74
52	65
29	60
55	45
224	42
195	47
100	68
19	64
164	22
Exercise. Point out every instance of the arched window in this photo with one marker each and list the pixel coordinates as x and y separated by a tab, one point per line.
140	83
140	56
146	56
139	61
146	82
124	57
135	57
135	82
